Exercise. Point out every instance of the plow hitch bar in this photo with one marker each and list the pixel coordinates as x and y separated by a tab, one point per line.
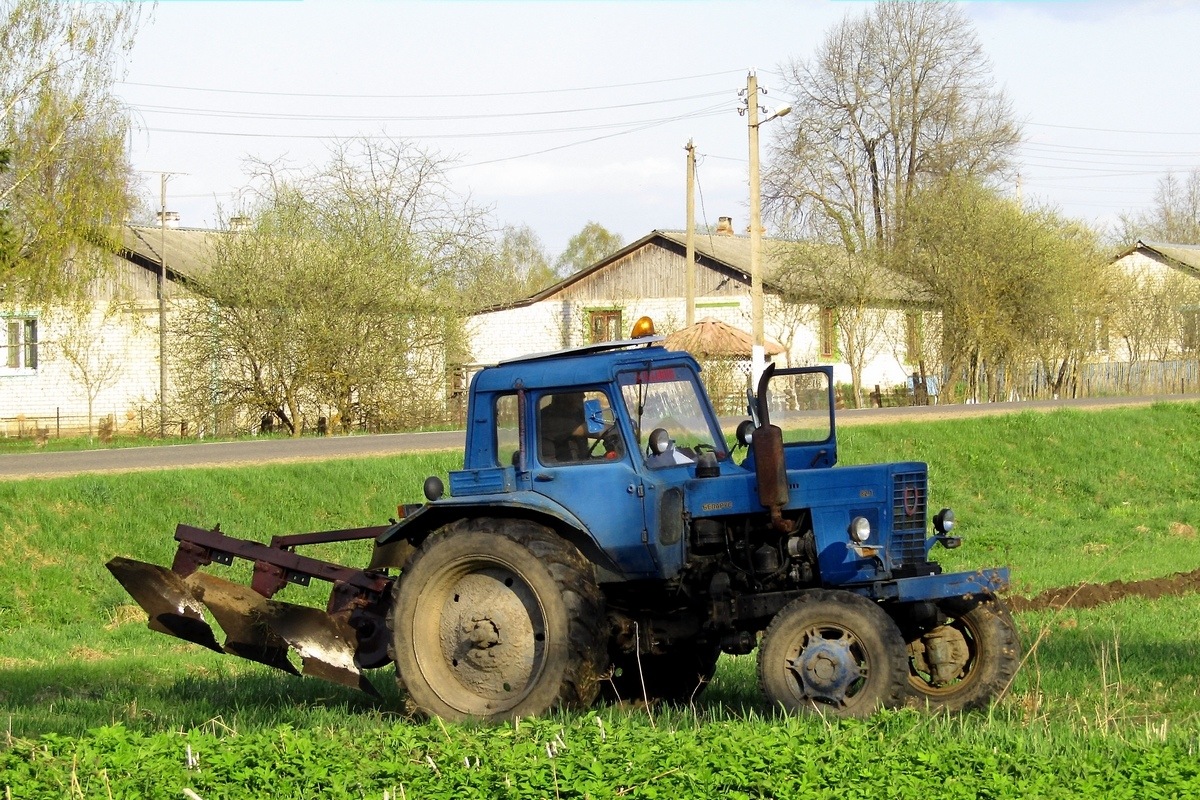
336	644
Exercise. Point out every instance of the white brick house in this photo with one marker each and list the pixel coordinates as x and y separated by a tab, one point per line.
56	359
647	277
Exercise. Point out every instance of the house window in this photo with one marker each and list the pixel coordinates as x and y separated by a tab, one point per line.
912	338
605	325
1191	327
828	334
21	343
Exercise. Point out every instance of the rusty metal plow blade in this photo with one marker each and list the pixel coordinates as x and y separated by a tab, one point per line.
167	599
241	613
326	643
256	628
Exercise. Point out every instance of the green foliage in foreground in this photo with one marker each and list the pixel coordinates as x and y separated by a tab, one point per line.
610	754
1107	702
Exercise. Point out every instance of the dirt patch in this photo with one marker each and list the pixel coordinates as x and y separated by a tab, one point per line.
1090	595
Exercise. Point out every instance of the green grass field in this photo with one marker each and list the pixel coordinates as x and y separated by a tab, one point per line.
1107	703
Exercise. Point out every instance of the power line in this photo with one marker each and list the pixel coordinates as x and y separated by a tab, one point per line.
1113	130
479	135
221	113
439	95
708	112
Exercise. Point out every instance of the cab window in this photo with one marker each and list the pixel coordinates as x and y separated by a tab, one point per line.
507	430
577	428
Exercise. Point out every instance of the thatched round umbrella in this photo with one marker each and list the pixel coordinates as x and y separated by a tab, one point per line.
711	338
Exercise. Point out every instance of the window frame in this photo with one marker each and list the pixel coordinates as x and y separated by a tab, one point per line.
20	344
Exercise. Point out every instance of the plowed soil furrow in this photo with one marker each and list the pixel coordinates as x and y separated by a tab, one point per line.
1090	595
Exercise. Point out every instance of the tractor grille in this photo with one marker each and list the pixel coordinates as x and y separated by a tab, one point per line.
908	518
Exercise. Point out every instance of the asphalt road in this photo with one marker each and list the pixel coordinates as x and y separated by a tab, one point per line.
34	465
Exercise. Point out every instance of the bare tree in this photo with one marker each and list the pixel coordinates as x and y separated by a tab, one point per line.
896	96
62	132
1173	217
89	354
863	296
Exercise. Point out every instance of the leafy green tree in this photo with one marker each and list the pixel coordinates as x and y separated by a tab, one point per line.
346	295
585	248
63	132
1015	287
524	264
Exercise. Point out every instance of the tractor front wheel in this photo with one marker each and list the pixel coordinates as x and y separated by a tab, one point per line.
495	619
968	660
833	652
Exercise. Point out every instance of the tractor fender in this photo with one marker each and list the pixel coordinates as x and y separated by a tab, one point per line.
391	549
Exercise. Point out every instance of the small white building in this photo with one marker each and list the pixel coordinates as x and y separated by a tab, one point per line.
59	362
647	277
1150	341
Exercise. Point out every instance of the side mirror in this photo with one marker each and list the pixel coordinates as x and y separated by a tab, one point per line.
593	413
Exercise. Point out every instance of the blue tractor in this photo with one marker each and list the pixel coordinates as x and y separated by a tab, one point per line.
603	538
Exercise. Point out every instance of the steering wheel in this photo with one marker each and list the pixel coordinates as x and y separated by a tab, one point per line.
601	437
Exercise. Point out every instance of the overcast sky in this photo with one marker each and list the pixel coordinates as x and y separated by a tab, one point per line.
558	113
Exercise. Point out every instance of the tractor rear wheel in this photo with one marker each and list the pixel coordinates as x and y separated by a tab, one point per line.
674	676
495	619
833	652
967	661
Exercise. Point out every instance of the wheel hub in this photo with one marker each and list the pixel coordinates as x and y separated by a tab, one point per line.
827	669
482	633
945	654
490	638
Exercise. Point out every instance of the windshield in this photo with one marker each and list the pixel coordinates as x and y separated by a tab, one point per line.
669	398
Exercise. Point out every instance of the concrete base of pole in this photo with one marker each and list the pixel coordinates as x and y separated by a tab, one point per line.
758	363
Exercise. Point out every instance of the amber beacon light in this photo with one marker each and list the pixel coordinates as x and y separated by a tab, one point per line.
642	328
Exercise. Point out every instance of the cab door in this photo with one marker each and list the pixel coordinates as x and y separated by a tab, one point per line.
581	460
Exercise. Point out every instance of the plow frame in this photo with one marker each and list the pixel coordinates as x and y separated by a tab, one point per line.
335	644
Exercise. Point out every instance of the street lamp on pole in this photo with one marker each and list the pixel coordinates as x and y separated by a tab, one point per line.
758	351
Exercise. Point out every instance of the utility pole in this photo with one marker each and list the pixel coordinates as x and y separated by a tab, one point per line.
758	353
690	271
162	308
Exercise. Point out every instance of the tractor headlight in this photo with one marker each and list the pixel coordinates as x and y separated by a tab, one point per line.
943	521
860	529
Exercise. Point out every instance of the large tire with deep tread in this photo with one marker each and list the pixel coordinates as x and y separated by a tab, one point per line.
989	657
495	619
833	652
675	676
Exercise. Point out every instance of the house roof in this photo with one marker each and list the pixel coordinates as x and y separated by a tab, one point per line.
188	251
714	339
1183	256
719	251
731	253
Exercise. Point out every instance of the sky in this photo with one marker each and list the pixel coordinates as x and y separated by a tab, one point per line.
554	114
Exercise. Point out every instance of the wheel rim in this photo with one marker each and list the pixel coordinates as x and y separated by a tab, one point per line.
829	664
479	633
942	662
